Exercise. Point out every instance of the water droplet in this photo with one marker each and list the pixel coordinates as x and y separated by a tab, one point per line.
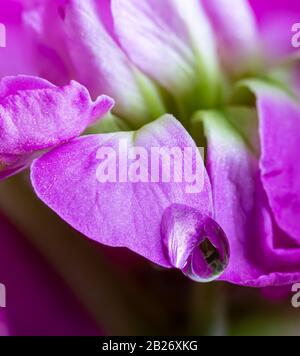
194	243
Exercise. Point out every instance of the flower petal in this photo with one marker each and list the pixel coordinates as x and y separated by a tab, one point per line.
169	40
276	19
118	212
279	116
231	168
35	115
236	30
17	55
24	52
261	254
84	41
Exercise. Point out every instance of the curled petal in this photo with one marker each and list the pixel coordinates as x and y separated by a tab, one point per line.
35	115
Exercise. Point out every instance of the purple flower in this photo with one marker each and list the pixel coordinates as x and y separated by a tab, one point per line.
204	62
65	179
35	115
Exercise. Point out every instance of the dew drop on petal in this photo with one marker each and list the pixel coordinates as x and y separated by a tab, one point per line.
194	243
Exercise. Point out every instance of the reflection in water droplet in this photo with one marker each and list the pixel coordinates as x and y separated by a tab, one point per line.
194	243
